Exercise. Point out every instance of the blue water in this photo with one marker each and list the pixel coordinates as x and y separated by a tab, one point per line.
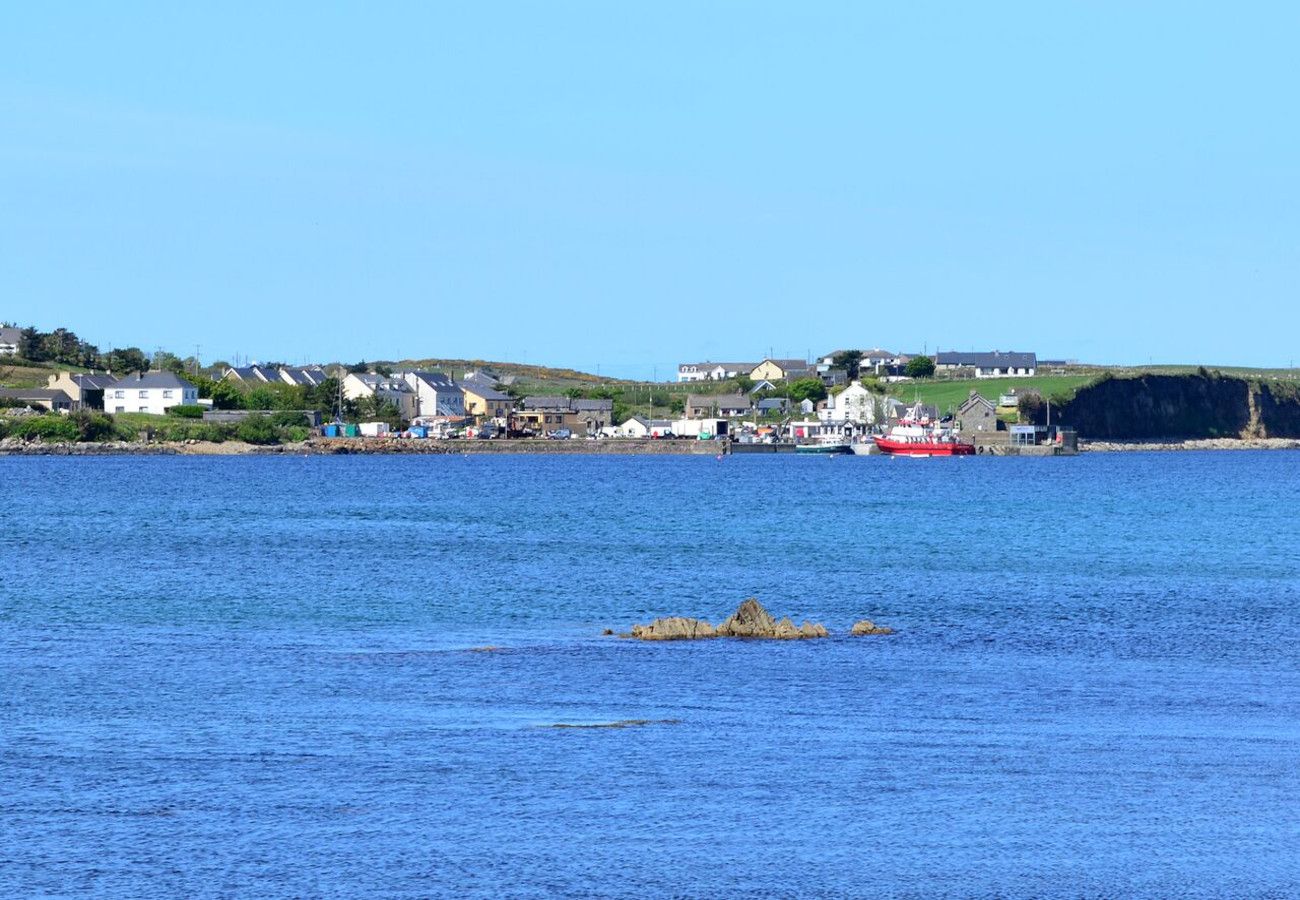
235	676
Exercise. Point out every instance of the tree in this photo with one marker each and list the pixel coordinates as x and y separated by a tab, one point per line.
30	344
226	396
919	367
807	389
850	361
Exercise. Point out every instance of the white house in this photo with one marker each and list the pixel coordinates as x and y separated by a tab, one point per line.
712	371
994	364
358	385
152	392
435	394
9	338
853	404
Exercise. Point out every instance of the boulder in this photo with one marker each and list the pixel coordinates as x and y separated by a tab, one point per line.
674	628
866	626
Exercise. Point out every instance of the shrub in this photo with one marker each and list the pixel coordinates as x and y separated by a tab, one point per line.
297	433
257	429
51	427
185	412
287	418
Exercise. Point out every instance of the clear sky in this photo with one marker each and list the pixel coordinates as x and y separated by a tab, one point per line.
626	186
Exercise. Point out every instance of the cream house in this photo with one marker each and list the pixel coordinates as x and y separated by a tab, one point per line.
779	369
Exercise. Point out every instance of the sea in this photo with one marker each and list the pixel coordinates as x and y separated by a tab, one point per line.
387	676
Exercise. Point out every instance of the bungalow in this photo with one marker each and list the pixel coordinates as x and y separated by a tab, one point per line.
976	415
703	406
49	399
773	406
360	385
86	390
994	364
712	371
780	369
152	392
9	339
435	394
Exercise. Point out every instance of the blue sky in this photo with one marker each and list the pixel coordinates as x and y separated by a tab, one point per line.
626	186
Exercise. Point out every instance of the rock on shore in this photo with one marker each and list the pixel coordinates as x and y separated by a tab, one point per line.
750	620
866	626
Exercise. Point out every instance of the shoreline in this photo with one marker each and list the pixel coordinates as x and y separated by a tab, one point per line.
609	447
1174	445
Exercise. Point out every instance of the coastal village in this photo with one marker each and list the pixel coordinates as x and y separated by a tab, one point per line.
58	390
837	400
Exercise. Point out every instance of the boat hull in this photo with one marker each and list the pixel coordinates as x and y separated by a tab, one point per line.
924	448
822	448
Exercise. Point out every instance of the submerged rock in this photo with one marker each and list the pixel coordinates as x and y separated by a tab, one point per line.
674	628
750	620
866	626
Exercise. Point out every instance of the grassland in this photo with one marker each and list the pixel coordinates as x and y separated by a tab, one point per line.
948	395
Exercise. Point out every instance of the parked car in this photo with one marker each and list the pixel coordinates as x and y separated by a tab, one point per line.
560	434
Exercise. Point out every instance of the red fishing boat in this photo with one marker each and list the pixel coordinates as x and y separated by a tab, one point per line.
915	439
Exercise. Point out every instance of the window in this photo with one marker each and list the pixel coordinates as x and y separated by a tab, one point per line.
119	408
167	395
144	409
144	395
118	395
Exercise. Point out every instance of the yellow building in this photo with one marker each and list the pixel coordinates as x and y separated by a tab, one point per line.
779	370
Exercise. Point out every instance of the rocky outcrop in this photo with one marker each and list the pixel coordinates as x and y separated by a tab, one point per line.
866	626
674	628
750	620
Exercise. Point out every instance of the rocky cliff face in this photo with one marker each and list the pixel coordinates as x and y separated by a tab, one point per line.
1204	405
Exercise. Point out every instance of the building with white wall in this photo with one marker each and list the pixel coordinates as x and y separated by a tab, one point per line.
152	392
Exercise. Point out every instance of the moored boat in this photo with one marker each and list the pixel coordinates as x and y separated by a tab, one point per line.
824	447
910	439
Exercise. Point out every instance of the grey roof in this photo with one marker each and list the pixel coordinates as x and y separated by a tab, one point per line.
10	335
718	401
994	359
308	376
593	405
46	394
253	373
786	364
154	380
773	403
975	399
437	380
93	382
479	382
548	402
481	389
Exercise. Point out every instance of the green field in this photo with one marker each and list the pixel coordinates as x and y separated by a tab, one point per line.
948	395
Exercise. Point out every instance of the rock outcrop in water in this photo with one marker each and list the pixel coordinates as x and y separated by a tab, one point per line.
750	620
674	628
866	626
